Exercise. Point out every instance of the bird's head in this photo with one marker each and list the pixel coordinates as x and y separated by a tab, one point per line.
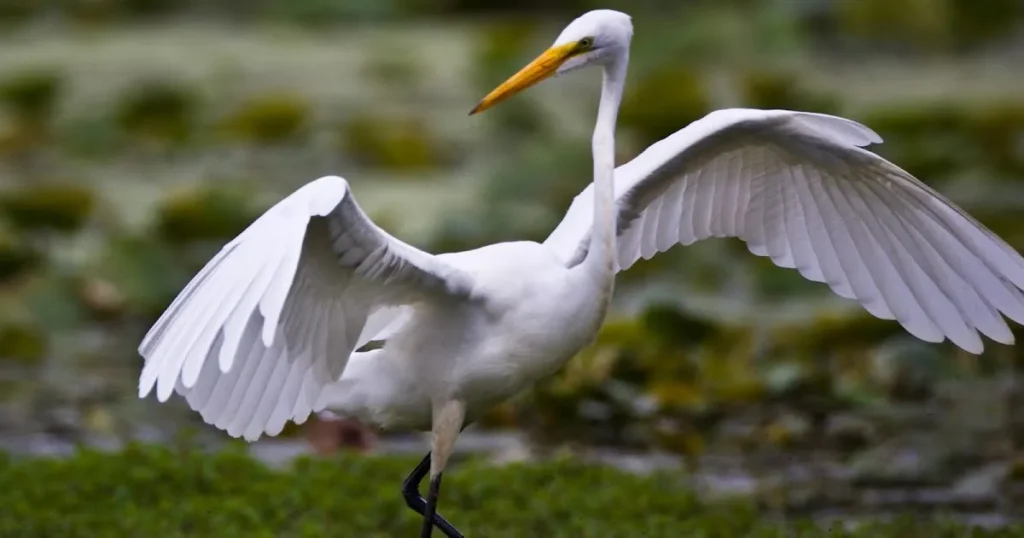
592	39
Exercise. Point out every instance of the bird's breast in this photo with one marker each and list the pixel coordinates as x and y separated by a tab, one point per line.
529	340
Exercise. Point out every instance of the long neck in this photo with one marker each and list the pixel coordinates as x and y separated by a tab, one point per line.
602	254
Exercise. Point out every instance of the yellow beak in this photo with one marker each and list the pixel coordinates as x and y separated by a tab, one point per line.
541	68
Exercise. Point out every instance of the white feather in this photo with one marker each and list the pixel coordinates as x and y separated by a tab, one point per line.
798	187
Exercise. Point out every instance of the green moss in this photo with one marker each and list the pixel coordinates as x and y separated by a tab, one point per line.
940	139
158	111
32	95
321	13
16	11
393	143
22	343
16	256
978	23
504	48
1017	468
501	51
28	99
923	24
1005	223
835	332
53	301
64	207
269	119
148	273
930	140
392	66
149	491
205	213
998	129
670	324
93	12
147	8
91	135
663	102
775	89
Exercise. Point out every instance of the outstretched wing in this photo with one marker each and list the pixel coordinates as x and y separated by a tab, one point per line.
799	188
273	317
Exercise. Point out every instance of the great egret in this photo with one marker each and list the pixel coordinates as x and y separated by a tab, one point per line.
267	331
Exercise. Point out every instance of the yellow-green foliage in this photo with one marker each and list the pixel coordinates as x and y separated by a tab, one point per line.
205	212
930	24
158	111
32	95
392	66
152	491
934	140
93	12
147	8
779	89
663	102
147	273
394	143
15	11
22	343
927	139
923	23
980	22
28	99
502	48
62	207
16	255
998	130
683	366
1005	223
269	119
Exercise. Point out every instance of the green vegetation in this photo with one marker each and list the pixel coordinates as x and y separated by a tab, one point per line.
16	255
158	112
269	119
681	99
206	212
22	343
392	143
28	98
147	491
61	206
930	24
780	89
98	234
32	95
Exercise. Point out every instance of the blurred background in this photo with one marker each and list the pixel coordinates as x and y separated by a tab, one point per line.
138	136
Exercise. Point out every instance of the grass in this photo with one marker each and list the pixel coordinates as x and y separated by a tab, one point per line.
148	491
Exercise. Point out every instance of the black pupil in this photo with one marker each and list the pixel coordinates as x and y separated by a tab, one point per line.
586	42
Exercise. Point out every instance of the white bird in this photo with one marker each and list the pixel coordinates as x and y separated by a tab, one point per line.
266	333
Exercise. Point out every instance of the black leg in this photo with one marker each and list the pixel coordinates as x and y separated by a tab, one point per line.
411	493
431	510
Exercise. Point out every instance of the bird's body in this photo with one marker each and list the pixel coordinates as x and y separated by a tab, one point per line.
268	331
529	315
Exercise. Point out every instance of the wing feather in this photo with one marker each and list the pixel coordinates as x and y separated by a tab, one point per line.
252	340
800	189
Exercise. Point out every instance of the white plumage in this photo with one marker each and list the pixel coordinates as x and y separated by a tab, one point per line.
797	187
272	320
267	331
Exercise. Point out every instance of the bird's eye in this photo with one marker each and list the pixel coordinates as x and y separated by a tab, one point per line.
586	43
